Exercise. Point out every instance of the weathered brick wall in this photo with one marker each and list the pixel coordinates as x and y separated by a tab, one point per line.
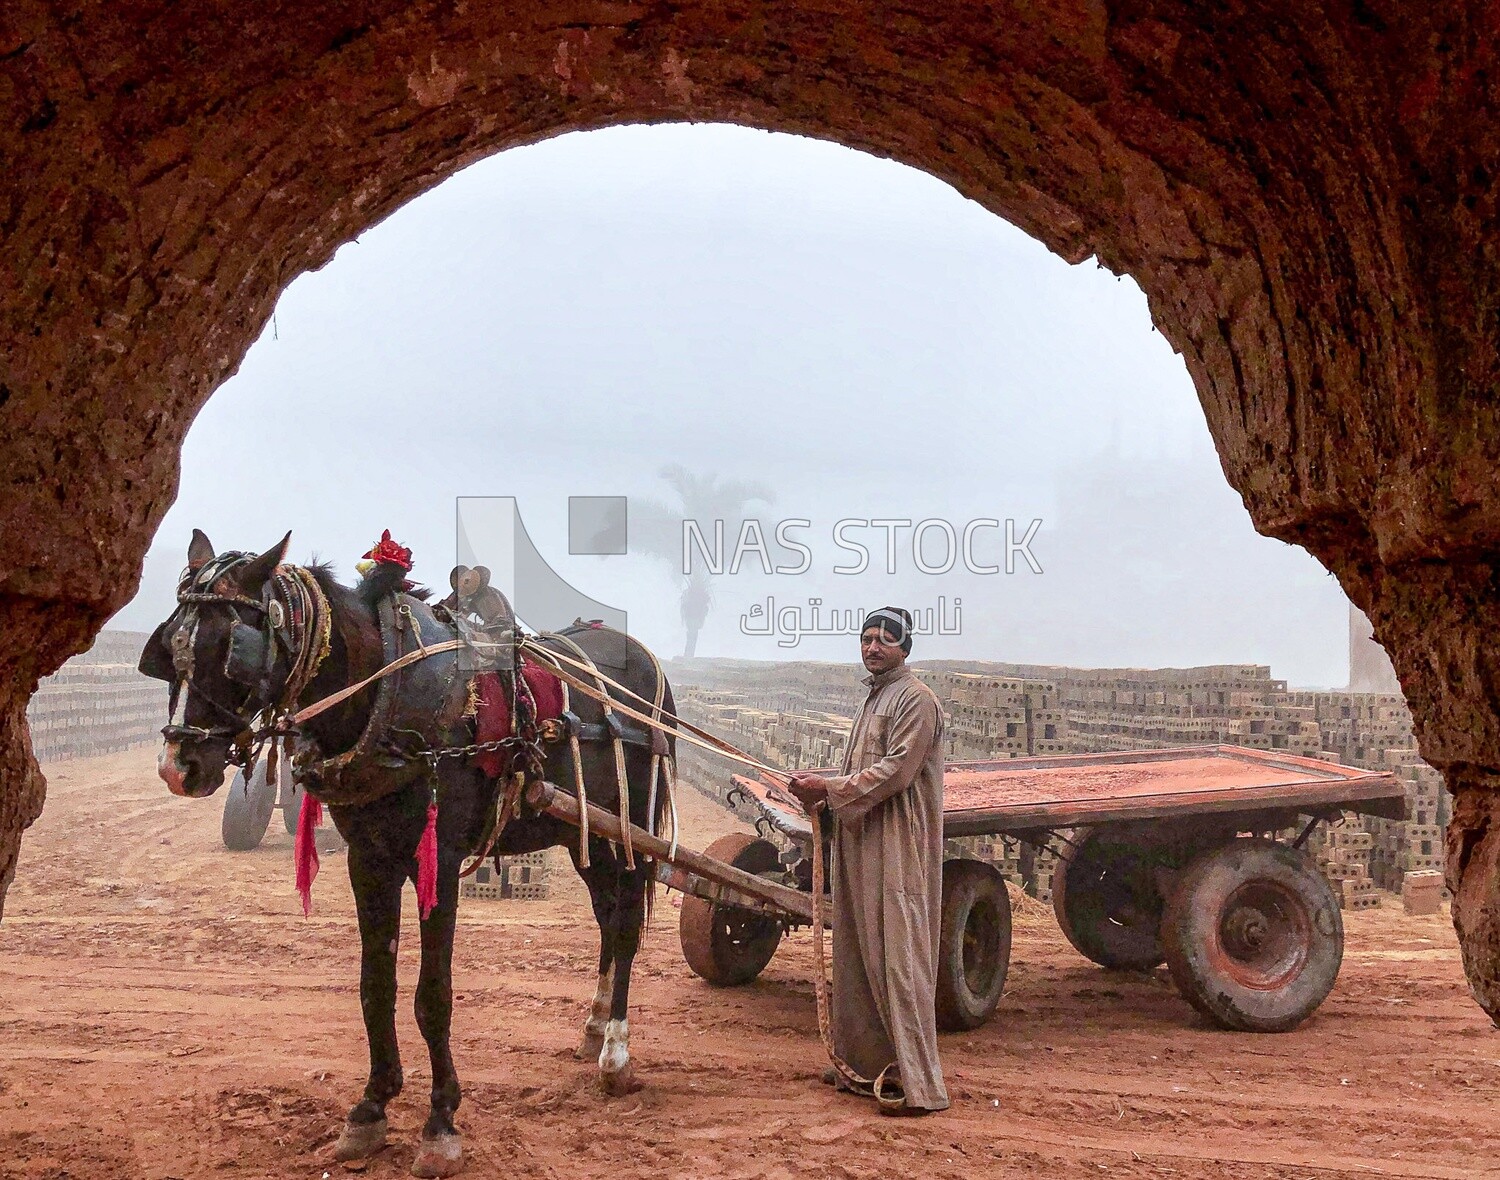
97	703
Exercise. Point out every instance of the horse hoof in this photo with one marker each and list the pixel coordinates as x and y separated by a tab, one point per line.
357	1140
442	1155
620	1082
590	1047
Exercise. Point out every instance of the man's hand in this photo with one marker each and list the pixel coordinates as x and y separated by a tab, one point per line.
810	789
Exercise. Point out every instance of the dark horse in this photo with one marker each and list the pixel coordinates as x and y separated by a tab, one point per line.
250	631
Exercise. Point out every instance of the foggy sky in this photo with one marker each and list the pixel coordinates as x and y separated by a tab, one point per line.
568	318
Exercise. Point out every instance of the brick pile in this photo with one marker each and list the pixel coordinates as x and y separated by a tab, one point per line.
1422	892
998	717
97	703
518	878
1342	853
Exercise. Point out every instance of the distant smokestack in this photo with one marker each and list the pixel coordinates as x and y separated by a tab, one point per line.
1370	668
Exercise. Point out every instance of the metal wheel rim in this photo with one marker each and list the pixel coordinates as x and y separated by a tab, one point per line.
1264	935
981	934
741	936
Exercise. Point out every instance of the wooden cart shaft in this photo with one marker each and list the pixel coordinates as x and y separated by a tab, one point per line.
683	869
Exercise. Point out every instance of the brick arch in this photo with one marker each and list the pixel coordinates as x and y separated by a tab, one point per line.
1306	195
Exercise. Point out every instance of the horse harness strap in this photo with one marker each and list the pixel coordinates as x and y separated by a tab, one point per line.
298	620
684	730
622	781
396	732
394	666
330	770
661	758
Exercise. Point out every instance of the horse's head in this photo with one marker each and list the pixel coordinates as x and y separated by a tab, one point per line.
218	651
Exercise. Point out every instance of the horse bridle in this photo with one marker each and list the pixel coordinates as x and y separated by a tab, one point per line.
251	653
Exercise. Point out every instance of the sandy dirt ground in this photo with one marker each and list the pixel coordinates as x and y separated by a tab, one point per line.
165	1011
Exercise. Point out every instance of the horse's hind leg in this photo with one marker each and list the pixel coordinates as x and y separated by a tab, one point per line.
616	1074
598	1018
600	879
377	897
441	1151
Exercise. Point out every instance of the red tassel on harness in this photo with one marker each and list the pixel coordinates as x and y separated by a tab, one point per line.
305	852
427	864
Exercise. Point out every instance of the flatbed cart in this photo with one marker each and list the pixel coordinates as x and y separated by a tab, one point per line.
1166	856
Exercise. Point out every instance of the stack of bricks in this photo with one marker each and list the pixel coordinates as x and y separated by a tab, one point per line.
993	717
1373	731
1343	855
97	703
1359	728
1003	852
1037	881
507	878
1414	844
986	719
1234	704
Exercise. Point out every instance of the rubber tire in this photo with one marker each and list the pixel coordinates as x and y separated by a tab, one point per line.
974	926
1221	985
726	945
1083	912
329	838
247	811
293	807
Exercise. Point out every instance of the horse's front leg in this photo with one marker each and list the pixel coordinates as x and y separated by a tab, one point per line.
441	1152
377	897
616	1074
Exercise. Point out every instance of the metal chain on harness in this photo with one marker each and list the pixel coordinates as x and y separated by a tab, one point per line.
524	745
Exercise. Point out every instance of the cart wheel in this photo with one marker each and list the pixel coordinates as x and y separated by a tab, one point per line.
329	839
725	944
1254	936
247	810
292	793
973	944
1107	902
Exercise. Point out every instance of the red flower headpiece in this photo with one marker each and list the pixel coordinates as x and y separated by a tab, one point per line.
388	552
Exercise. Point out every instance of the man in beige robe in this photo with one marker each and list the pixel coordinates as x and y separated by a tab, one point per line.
887	878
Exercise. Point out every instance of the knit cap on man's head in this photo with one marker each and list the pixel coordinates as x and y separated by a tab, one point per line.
895	621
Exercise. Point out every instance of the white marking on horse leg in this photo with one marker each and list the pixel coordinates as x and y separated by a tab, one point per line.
615	1056
616	1074
603	998
598	1019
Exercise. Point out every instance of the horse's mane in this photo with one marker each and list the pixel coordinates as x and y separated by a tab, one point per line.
384	579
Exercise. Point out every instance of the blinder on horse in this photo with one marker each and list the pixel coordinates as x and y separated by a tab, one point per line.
249	661
250	656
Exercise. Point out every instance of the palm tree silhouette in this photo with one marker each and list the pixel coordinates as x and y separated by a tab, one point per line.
656	529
